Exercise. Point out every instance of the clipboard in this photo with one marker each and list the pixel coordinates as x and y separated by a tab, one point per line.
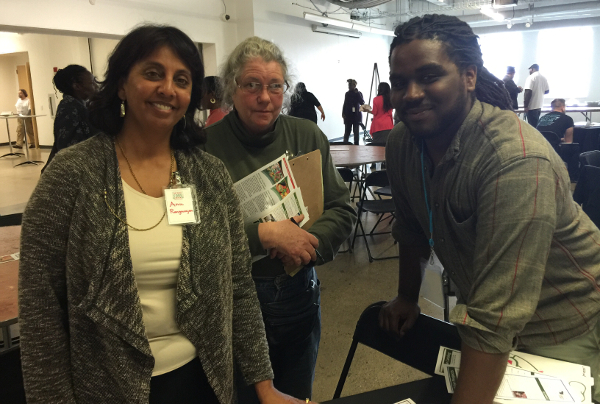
309	178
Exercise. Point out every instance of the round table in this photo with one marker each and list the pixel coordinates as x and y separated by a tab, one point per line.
352	155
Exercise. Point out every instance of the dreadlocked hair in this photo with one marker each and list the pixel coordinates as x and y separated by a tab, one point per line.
462	48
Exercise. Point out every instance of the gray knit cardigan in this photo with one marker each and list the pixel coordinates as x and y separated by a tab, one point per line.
82	335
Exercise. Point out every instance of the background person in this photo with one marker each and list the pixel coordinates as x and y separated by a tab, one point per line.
254	134
351	111
536	86
71	122
558	121
303	104
511	87
383	120
211	100
104	279
487	192
24	124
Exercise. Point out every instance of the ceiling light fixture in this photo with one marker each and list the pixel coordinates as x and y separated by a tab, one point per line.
335	31
346	24
487	11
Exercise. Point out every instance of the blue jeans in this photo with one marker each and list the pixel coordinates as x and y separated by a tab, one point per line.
291	308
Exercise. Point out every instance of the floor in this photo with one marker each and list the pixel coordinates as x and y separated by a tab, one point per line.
349	284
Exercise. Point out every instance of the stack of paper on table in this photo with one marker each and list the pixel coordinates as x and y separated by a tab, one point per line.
529	378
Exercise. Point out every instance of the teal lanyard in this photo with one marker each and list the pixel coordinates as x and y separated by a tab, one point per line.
429	211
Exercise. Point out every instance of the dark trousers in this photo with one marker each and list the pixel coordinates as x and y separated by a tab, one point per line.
185	385
354	127
533	116
292	315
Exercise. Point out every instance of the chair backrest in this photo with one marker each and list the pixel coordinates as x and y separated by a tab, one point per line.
587	192
590	158
420	345
341	143
377	179
552	138
346	174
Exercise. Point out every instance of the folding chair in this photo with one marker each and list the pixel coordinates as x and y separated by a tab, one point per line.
378	206
348	176
590	158
587	192
552	138
418	348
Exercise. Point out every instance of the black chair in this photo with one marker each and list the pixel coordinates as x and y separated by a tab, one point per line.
11	220
553	139
418	348
348	176
590	158
587	192
378	206
11	377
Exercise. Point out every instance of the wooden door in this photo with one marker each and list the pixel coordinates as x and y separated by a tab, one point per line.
24	77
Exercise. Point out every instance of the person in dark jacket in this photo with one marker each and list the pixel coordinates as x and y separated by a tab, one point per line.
71	123
304	103
351	110
511	87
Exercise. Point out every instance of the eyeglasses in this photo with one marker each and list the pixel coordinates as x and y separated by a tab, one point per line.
254	88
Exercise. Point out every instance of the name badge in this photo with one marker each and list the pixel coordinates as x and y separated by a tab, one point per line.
182	203
353	109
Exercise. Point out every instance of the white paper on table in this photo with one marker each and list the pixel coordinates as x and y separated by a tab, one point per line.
576	375
446	356
535	389
407	401
451	376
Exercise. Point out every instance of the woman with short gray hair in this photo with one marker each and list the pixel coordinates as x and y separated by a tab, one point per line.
253	134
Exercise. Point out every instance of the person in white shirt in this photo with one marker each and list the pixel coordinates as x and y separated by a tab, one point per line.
535	87
24	124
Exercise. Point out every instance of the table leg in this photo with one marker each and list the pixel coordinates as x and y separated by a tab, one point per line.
28	161
12	153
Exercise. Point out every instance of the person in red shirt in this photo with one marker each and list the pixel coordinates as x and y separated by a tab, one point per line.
383	121
212	100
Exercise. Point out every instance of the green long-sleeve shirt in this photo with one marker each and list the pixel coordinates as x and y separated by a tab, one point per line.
244	153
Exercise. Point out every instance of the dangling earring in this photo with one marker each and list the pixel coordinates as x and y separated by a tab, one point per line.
184	122
122	114
213	101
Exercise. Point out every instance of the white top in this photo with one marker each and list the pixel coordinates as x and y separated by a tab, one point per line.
156	255
22	106
538	86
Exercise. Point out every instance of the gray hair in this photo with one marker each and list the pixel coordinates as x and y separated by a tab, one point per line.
251	48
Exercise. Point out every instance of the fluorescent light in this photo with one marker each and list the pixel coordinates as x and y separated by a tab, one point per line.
491	13
346	24
327	20
382	31
335	31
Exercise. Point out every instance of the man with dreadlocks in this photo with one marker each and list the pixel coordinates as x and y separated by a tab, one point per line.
487	192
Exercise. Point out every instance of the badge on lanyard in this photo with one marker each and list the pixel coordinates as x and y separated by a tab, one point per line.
182	202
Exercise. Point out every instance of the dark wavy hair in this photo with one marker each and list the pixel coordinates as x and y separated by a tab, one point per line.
462	48
23	91
134	47
384	90
65	78
212	84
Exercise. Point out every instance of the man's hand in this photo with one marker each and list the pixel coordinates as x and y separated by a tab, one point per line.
399	315
284	238
526	109
520	88
268	394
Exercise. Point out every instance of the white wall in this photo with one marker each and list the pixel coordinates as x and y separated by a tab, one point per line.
323	62
45	53
9	87
100	50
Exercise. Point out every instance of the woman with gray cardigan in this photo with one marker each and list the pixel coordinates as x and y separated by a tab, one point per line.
117	303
